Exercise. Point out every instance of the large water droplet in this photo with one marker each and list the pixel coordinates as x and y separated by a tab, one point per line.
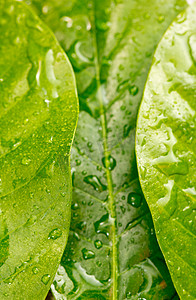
55	234
95	182
103	225
87	254
45	278
109	162
134	199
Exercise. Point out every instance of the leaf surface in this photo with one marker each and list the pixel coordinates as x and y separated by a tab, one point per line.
38	114
166	149
112	251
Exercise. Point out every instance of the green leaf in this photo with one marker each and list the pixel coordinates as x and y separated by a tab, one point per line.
166	149
38	114
112	251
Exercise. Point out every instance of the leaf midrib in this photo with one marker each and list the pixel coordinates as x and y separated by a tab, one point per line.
112	206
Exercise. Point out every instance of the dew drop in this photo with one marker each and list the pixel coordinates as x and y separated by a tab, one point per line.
55	234
134	199
45	278
87	254
26	161
95	182
35	270
133	90
161	19
98	244
31	195
98	263
109	162
78	162
101	25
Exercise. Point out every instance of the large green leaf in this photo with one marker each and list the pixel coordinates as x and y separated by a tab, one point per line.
38	114
112	251
166	149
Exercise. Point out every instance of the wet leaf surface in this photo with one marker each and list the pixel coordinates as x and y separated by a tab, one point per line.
112	251
38	114
166	149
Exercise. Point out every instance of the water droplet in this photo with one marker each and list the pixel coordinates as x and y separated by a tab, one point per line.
161	19
129	294
98	263
98	244
26	161
35	270
78	162
123	85
87	254
103	225
45	278
31	195
49	66
76	236
133	90
110	162
68	20
81	226
89	144
95	182
55	234
134	199
102	25
75	206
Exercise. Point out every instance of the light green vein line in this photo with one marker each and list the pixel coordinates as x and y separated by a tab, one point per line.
112	207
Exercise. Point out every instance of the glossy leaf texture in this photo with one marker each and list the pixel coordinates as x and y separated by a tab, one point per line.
38	114
112	251
166	149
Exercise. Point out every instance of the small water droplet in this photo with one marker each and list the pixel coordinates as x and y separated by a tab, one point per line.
55	234
133	90
134	199
161	19
31	195
89	144
82	226
87	254
102	25
45	278
35	270
110	162
78	162
75	206
129	294
26	161
98	263
98	244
